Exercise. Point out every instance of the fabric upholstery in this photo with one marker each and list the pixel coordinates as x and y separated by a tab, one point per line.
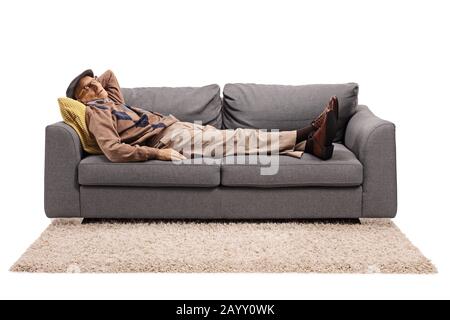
342	170
285	107
220	203
359	181
98	170
186	103
73	113
373	141
63	152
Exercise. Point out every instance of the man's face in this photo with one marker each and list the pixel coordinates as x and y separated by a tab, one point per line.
89	89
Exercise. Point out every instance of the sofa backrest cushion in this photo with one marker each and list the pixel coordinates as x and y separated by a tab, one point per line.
186	103
285	107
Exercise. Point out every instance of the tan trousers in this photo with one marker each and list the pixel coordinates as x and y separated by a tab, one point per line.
195	140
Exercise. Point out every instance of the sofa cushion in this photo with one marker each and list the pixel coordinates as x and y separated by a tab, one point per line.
98	170
186	103
342	170
73	113
285	107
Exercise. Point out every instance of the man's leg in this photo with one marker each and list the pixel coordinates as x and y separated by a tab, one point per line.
219	143
194	140
302	134
256	141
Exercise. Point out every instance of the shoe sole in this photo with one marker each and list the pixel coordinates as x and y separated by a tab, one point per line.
331	128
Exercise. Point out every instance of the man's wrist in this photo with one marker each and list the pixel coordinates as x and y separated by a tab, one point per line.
153	153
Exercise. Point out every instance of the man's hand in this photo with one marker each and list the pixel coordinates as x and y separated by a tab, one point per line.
169	154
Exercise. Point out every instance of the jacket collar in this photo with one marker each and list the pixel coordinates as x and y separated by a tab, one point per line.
99	101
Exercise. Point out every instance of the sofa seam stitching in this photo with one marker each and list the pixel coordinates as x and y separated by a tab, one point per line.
227	165
292	165
154	186
292	185
127	164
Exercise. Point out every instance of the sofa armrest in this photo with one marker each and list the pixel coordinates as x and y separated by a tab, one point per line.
372	140
63	152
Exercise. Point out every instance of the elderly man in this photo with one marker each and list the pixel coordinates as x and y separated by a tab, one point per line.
125	133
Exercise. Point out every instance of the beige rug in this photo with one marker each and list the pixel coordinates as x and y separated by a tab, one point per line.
374	246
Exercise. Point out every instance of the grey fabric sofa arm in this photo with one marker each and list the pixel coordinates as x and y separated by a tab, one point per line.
63	152
372	140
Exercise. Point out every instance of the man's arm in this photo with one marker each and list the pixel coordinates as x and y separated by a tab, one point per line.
109	82
102	127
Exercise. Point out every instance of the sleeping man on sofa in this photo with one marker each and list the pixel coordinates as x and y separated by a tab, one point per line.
125	133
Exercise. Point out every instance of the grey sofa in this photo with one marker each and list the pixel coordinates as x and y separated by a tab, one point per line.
358	181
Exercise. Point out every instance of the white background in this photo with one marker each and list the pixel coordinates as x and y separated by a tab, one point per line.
398	51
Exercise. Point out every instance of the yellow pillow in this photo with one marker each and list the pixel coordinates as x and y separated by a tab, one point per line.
74	114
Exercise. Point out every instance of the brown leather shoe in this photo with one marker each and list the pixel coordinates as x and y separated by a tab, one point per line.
333	104
320	142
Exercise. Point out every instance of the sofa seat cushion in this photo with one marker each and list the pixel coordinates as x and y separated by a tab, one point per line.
98	170
342	170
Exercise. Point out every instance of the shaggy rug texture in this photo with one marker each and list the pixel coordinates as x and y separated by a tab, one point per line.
369	246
